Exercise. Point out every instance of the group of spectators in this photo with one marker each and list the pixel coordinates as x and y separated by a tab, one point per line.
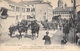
77	33
68	25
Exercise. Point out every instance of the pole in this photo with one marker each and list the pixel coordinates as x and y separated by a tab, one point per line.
0	28
74	16
0	23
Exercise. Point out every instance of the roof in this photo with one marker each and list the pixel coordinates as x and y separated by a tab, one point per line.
34	2
63	9
12	2
27	2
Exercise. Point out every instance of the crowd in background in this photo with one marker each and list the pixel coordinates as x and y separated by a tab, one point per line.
67	26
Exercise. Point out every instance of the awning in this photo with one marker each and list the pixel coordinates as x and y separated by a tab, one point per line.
56	17
5	5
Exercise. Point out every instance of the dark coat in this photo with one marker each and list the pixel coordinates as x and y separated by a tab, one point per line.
66	30
79	42
35	28
47	40
63	41
77	39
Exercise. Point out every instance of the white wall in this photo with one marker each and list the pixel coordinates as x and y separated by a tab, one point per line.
40	11
50	13
6	23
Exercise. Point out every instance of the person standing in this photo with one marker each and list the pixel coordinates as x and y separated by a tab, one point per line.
77	37
47	39
78	41
66	31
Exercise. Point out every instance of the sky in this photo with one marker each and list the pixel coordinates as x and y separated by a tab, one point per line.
54	2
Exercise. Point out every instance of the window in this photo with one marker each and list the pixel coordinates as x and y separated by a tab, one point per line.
13	7
32	9
17	9
69	15
28	16
61	12
58	13
66	15
32	5
23	9
28	10
27	5
63	15
55	12
66	12
44	13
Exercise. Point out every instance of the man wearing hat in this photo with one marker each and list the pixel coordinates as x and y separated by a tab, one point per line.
47	39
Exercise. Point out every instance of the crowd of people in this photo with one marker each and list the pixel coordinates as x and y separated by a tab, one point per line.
66	26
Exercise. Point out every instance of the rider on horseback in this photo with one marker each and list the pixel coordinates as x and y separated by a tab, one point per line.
34	28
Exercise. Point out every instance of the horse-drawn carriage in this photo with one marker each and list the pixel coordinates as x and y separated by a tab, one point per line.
23	27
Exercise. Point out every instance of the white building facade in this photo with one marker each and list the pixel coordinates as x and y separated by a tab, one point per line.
44	12
38	10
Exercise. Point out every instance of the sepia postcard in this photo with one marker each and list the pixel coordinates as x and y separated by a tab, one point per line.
39	25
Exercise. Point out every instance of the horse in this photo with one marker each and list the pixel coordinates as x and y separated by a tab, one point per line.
21	27
12	30
34	29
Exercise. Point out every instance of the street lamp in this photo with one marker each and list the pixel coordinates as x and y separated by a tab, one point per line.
71	15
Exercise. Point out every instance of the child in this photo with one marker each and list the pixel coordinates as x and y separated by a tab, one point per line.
64	41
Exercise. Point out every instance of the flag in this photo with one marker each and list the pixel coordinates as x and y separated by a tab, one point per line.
72	1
